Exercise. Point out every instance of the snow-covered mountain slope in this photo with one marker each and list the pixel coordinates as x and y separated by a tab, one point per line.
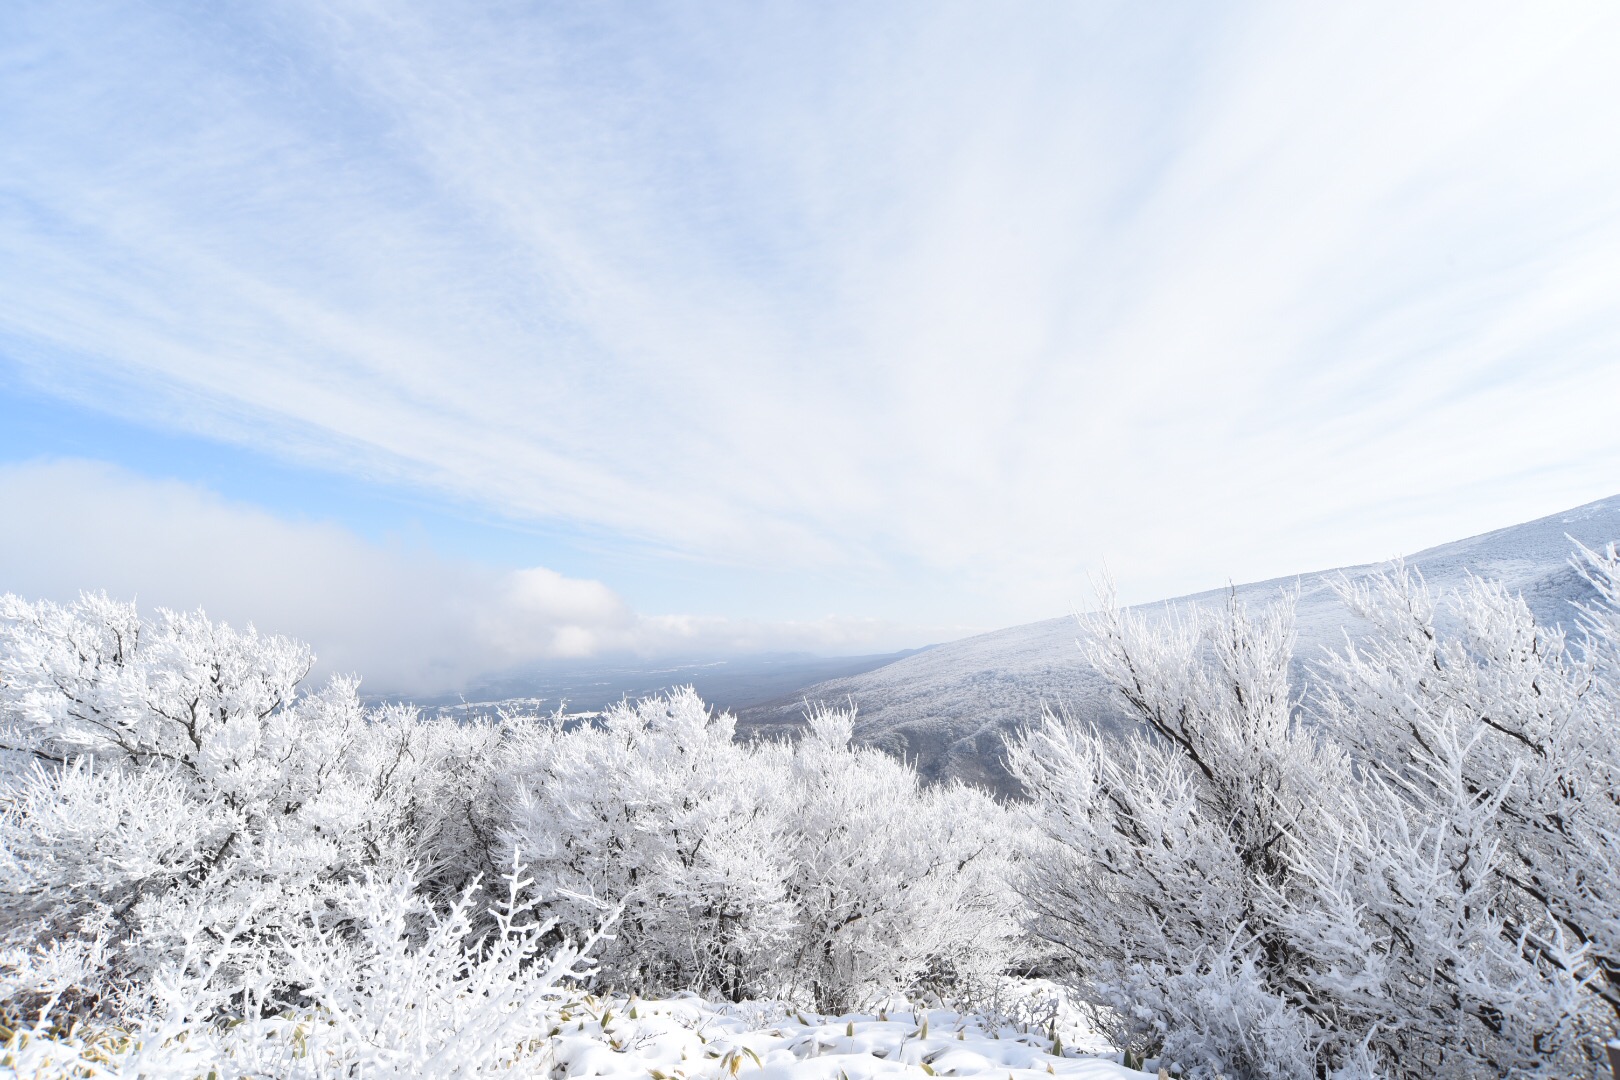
948	708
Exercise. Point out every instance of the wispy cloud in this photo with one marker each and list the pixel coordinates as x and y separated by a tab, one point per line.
960	299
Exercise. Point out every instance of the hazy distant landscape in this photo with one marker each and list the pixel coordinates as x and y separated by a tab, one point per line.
734	684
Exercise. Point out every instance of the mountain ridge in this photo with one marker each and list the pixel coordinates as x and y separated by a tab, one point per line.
948	708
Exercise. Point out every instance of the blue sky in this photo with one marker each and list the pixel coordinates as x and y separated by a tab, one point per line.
459	336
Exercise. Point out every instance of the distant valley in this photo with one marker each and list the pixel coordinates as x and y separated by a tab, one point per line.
735	683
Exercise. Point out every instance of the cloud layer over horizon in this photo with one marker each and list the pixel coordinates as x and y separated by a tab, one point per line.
405	619
934	309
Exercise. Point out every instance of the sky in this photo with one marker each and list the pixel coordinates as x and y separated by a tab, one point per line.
453	338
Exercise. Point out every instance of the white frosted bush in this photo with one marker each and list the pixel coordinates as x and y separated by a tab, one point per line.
178	765
1410	872
816	871
389	985
889	882
193	843
657	808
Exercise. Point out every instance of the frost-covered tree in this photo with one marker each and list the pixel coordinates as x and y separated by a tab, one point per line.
175	769
888	882
1165	852
390	984
815	870
1499	742
194	841
654	807
1361	882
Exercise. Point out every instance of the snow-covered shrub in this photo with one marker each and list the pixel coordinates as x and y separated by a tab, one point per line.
1408	874
1164	855
656	808
1498	741
169	769
389	984
889	883
1509	735
190	835
815	871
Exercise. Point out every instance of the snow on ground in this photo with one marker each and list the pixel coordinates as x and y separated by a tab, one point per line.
618	1038
686	1038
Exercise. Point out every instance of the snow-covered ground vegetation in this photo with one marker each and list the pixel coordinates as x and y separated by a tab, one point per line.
587	1035
1406	866
201	858
1410	868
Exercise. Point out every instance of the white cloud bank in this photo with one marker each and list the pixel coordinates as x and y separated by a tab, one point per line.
406	620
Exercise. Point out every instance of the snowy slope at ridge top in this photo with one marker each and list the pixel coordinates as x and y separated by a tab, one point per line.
949	707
